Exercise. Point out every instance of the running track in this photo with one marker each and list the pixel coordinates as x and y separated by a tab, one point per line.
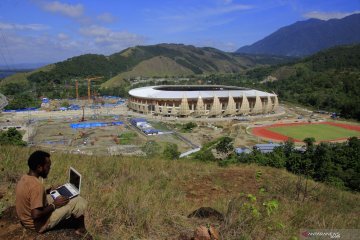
265	133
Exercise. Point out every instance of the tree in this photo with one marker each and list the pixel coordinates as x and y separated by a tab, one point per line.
310	144
23	100
11	137
288	147
151	148
65	104
189	126
171	151
225	145
204	155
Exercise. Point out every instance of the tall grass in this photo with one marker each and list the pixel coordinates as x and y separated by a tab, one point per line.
128	197
137	198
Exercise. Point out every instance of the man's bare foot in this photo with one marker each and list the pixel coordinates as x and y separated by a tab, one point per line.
81	231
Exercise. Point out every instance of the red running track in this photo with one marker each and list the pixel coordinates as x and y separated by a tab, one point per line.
265	133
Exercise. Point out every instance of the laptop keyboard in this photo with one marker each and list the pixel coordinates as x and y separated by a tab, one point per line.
64	191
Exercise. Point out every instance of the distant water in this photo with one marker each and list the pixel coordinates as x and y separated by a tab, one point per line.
4	74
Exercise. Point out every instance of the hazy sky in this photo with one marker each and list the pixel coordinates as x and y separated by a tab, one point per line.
34	31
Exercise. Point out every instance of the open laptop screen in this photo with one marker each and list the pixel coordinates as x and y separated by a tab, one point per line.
75	178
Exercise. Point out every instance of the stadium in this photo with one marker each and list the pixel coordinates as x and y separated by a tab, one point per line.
201	100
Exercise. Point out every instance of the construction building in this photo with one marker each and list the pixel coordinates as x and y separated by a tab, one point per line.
201	100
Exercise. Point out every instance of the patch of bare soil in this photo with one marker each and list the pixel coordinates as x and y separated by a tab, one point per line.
224	183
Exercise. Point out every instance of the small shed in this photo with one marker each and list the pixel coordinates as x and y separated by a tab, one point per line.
151	131
137	121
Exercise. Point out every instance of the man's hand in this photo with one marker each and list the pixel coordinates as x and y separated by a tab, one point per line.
51	188
61	201
41	212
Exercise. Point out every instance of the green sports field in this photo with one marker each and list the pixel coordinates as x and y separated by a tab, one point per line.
320	132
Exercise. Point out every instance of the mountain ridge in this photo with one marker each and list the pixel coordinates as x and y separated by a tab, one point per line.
132	62
307	37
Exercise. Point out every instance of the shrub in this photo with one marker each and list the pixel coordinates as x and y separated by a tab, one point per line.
151	148
171	151
11	137
204	155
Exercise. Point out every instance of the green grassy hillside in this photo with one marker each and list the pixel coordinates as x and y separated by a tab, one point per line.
146	61
175	60
20	92
138	198
21	78
157	66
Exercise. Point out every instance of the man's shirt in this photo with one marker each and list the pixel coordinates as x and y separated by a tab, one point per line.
30	194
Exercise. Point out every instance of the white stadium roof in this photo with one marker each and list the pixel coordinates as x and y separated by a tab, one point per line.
194	91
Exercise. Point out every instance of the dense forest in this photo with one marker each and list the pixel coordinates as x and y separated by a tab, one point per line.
337	164
329	80
334	163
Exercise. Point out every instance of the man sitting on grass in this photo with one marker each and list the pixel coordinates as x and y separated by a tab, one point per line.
36	208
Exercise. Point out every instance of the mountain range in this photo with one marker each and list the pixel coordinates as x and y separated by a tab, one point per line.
307	37
161	60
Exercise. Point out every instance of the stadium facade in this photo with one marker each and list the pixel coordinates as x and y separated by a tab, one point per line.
201	100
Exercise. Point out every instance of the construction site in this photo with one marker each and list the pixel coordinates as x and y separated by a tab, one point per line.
107	125
108	130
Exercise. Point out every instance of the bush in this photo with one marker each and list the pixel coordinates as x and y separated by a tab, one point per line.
151	148
171	151
189	126
204	155
225	145
11	137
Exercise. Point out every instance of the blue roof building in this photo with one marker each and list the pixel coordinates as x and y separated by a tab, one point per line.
135	121
150	131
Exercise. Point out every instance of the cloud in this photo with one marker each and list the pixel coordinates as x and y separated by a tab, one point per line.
199	25
227	1
64	8
109	41
62	36
15	26
197	18
226	9
207	12
327	15
106	17
43	48
95	30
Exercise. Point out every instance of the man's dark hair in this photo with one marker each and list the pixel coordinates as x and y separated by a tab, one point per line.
37	158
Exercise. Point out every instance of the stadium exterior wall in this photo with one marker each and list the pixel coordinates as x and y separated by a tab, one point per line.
204	100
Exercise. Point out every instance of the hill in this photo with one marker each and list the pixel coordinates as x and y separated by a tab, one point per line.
159	60
328	80
176	60
308	37
138	198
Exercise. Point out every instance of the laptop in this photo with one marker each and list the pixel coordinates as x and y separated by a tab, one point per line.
70	189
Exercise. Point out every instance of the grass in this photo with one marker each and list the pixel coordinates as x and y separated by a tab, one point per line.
127	137
138	198
320	132
160	126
